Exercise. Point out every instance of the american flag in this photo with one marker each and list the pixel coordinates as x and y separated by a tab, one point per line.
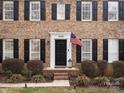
75	40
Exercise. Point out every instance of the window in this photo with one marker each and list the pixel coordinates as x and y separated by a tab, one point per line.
86	11
35	49
8	10
8	48
112	50
60	11
113	11
86	49
35	11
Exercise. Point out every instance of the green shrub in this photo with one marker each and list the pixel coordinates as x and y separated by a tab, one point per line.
35	66
38	78
89	68
16	78
121	81
101	81
8	73
118	69
28	74
102	65
13	65
82	81
48	75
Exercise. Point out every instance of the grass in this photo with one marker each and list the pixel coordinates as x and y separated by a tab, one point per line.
59	90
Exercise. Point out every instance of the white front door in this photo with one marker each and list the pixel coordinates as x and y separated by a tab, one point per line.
59	36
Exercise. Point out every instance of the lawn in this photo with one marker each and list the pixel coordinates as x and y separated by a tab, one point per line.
59	90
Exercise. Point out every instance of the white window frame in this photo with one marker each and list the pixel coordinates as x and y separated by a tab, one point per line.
113	51
58	15
86	2
35	2
4	3
30	57
82	52
113	2
4	50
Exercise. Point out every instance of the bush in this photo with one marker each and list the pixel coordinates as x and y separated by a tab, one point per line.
89	68
102	65
38	78
82	81
109	70
27	73
121	81
49	75
8	73
101	81
35	66
13	65
118	69
16	78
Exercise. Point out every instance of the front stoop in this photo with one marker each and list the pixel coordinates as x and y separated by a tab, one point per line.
61	73
61	76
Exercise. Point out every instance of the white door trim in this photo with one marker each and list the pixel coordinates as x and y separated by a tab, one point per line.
56	36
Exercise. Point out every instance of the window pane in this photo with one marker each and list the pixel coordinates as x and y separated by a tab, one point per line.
35	11
8	14
9	45
8	55
113	10
8	49
112	50
87	49
86	56
35	45
86	11
8	10
35	56
61	11
35	49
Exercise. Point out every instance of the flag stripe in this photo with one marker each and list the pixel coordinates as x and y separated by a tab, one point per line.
75	40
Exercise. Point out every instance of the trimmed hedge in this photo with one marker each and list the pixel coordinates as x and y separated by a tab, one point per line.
118	67
13	65
35	66
102	65
89	68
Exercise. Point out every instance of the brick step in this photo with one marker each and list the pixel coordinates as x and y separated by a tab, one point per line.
60	77
60	74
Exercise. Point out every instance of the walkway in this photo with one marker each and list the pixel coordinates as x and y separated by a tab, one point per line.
55	83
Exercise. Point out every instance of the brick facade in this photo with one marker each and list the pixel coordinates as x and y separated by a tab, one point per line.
99	29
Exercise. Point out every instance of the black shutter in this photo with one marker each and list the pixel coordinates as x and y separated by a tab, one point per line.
26	10
105	49
121	49
94	10
94	49
42	53
16	48
78	54
1	50
54	11
121	10
16	10
1	9
26	50
67	11
105	10
78	11
43	10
